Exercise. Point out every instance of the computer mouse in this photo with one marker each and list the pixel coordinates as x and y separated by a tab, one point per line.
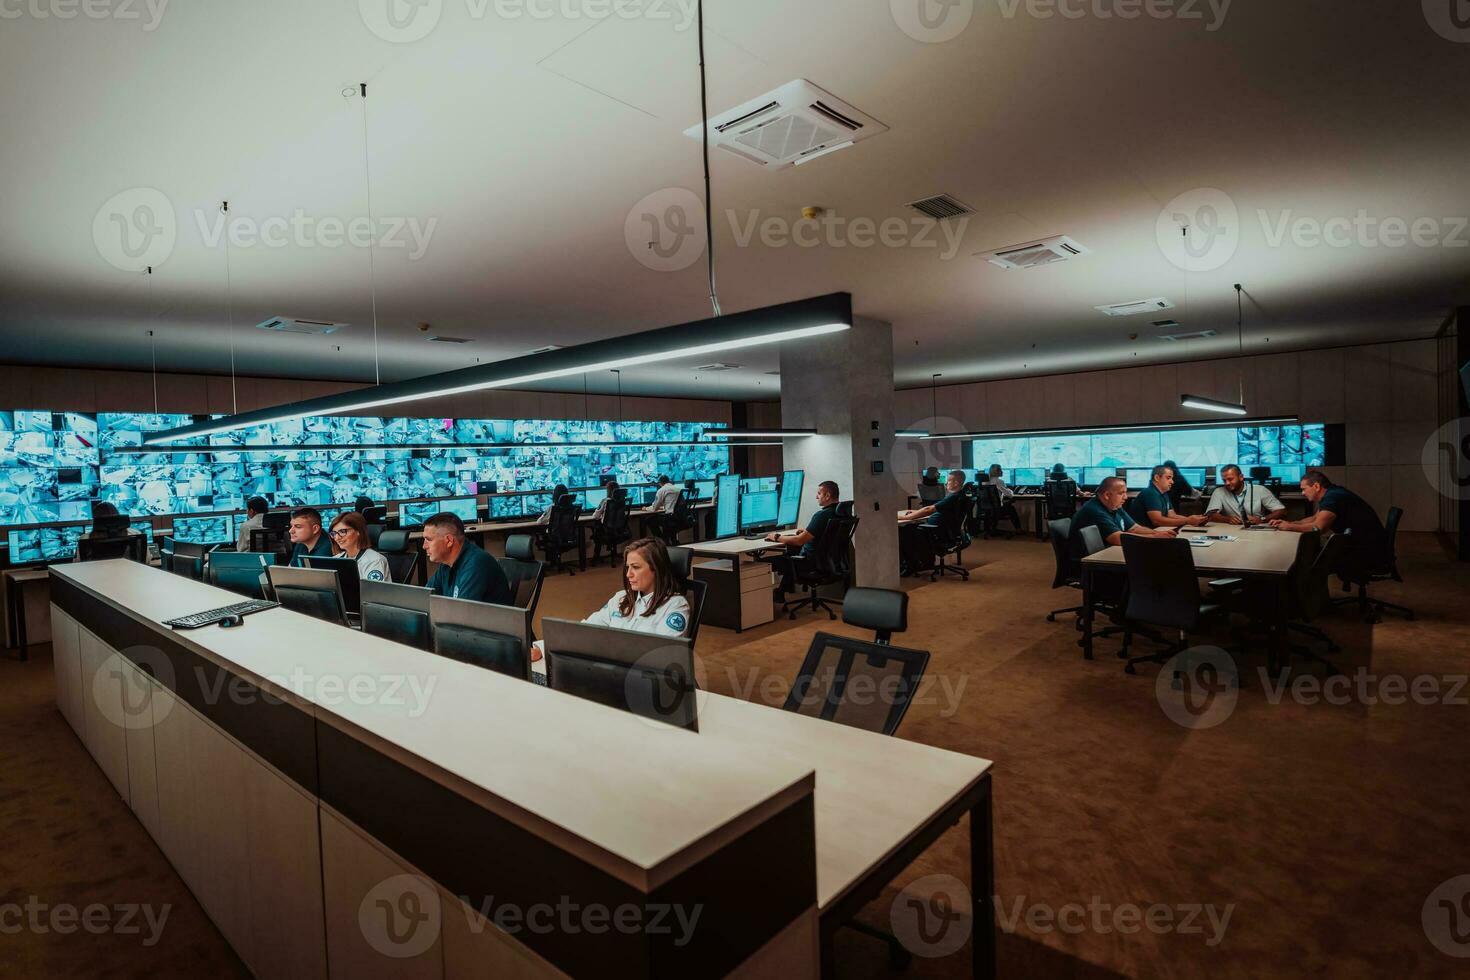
230	622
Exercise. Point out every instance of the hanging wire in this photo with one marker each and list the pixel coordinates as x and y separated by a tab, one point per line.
934	395
153	343
586	410
620	393
709	225
1240	339
372	236
230	310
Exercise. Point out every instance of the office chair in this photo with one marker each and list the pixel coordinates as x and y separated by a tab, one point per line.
187	559
612	530
989	509
948	537
1163	590
563	533
844	508
132	546
678	521
397	612
646	674
482	634
1060	532
240	571
525	578
375	515
273	535
930	493
521	547
403	564
310	591
375	532
682	562
829	563
1061	498
1386	570
884	611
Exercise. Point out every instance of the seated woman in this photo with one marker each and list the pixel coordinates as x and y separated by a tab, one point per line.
556	494
349	534
651	603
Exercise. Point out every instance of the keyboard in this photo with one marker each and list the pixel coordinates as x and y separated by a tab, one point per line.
195	620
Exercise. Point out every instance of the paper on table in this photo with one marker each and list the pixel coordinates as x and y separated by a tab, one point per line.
1199	542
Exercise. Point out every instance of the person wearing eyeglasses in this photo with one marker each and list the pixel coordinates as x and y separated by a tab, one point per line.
349	535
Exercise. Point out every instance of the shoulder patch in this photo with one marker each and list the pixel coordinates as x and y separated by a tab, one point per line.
675	621
375	576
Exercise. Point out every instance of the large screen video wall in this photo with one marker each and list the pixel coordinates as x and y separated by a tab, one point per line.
55	465
1215	446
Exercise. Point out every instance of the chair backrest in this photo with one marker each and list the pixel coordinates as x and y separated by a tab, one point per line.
521	547
402	563
309	591
1391	532
1163	587
240	571
695	591
525	579
1092	539
615	516
844	508
1060	531
1061	497
931	493
563	528
375	532
188	559
683	510
853	682
884	611
682	561
375	515
393	540
397	612
1310	590
495	637
988	497
98	549
647	674
832	551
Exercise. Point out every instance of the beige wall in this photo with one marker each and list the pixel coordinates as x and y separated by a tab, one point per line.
77	390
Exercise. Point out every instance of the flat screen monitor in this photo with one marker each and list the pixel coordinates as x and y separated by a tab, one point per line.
758	484
144	528
44	544
758	509
205	530
1289	475
1093	475
466	509
727	506
1193	475
592	499
1138	478
1028	476
536	504
704	489
790	507
330	514
511	505
414	515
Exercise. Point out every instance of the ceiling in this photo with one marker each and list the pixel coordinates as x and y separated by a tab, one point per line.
526	131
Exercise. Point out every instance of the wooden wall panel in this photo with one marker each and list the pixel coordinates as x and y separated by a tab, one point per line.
1369	384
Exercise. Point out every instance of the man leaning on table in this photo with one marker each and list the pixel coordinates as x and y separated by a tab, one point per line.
1153	508
1238	502
1341	511
1107	513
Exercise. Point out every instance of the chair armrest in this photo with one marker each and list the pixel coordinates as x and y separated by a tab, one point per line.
1223	584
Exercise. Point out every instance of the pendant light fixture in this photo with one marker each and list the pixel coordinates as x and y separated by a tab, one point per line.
1203	404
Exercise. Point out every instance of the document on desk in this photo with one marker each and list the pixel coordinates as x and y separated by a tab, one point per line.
1221	537
1199	542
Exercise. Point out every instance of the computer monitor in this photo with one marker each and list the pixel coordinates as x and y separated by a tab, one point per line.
1193	475
466	509
1028	476
758	484
592	499
790	506
348	579
205	530
536	504
509	506
1093	475
414	515
144	528
704	489
1289	474
727	506
44	544
1138	478
759	509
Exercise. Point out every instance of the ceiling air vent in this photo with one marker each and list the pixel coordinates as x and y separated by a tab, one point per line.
796	123
717	366
1033	255
1135	307
1196	335
440	339
290	324
941	207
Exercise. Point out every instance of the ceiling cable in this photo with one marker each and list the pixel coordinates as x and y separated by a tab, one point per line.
153	343
367	178
224	208
1240	338
709	225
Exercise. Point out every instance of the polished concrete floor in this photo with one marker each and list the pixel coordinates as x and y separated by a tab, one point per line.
1320	825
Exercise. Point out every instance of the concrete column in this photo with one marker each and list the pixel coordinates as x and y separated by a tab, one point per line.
842	386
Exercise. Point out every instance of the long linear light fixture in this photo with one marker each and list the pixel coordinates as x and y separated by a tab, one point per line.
1211	405
1129	427
753	328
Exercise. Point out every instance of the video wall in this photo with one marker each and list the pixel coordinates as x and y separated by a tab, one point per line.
55	465
1214	446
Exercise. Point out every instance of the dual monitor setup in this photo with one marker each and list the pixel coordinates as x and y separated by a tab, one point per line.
757	504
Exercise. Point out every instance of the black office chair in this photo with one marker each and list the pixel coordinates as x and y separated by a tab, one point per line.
485	635
1059	531
695	591
312	592
1163	590
397	612
829	563
403	563
240	571
1386	570
525	579
273	535
1061	499
187	559
612	531
677	521
563	533
884	611
946	538
989	509
521	547
844	508
132	546
375	533
375	515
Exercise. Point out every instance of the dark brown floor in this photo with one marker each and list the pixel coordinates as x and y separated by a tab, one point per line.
1325	827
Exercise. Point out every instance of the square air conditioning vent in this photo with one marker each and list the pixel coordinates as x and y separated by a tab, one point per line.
1033	255
1135	307
1196	335
290	324
941	207
796	123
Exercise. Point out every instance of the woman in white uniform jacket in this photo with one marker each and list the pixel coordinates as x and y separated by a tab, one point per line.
651	603
350	535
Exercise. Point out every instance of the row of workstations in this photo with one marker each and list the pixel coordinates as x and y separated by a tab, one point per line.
343	805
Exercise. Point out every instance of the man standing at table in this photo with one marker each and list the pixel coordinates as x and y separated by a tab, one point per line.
1107	513
1341	511
1238	502
1152	507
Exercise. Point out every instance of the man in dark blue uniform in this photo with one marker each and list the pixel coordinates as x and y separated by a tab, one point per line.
803	543
465	571
306	535
1341	511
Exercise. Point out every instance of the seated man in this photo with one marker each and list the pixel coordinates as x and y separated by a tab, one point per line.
1238	502
913	554
1153	508
664	500
1107	513
801	544
1341	511
255	511
465	571
996	478
307	537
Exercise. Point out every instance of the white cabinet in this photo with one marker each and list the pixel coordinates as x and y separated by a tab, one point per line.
66	659
101	696
284	849
137	698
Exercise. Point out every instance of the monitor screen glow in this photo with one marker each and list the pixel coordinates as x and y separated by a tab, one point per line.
790	505
758	508
727	506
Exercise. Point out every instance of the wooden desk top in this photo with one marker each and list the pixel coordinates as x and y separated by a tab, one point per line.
26	574
1264	552
732	546
639	799
874	791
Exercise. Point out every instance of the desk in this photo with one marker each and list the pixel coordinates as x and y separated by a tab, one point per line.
739	594
1263	554
15	605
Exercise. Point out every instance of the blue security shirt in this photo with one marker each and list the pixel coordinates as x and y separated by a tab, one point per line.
945	507
1094	514
816	526
475	576
1150	498
1355	517
322	549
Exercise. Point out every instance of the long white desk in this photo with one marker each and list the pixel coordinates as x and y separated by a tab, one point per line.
306	780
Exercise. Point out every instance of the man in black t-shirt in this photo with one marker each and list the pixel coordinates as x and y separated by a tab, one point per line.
1341	511
803	544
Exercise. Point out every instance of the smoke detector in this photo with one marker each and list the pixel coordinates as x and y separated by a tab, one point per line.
1033	255
290	324
940	207
1134	307
794	124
